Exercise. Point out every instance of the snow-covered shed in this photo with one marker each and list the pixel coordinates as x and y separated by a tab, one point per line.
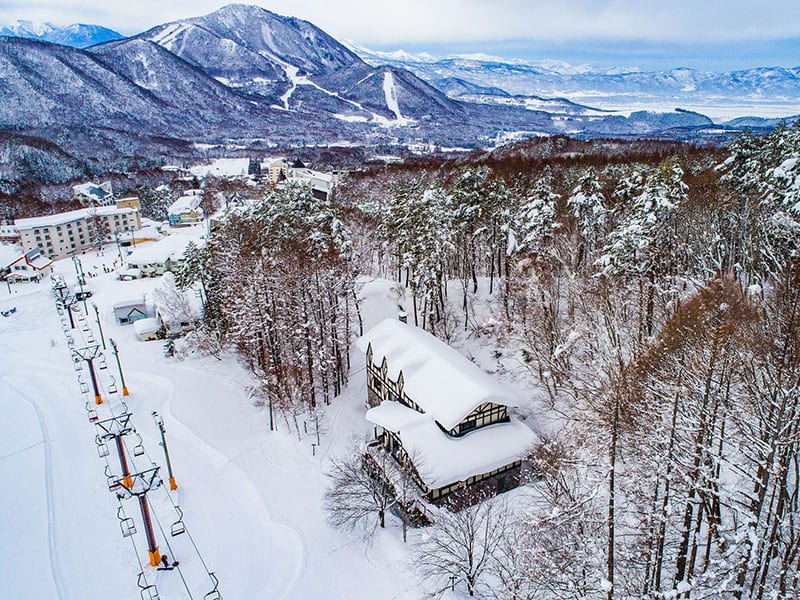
25	267
431	405
130	311
147	329
186	210
159	257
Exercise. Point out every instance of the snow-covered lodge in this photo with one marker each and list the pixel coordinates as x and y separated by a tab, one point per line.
31	266
186	209
156	259
63	234
92	194
434	407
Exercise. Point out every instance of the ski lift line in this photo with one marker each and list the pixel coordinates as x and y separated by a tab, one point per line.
179	511
169	547
87	344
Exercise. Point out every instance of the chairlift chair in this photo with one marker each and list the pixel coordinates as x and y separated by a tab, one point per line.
84	388
213	594
138	449
178	526
77	366
148	592
102	448
92	414
103	364
112	388
127	526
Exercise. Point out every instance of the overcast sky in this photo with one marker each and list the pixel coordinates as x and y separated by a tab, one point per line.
684	32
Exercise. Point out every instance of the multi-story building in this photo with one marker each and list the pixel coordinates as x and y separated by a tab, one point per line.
92	194
440	416
129	202
8	233
186	209
64	234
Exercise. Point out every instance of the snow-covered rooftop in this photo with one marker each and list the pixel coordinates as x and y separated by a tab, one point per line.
9	253
185	203
443	382
146	326
68	217
440	459
92	190
130	302
168	248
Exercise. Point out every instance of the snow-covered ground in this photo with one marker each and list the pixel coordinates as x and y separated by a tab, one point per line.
222	167
251	498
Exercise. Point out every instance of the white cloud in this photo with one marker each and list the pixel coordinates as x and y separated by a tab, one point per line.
395	22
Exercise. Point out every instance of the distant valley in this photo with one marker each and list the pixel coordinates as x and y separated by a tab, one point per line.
243	79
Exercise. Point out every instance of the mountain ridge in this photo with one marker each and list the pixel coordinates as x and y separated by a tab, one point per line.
248	78
77	35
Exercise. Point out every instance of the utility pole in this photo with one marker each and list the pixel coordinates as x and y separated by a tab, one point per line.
142	483
65	299
117	428
119	366
119	248
160	423
81	280
99	326
89	353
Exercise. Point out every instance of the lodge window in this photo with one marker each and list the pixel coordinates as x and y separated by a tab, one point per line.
467	426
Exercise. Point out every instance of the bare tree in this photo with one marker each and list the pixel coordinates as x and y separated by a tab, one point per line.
459	547
359	489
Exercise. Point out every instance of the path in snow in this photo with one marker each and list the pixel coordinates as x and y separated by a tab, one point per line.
252	499
390	92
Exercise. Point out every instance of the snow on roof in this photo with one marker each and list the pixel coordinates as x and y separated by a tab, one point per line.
394	416
145	326
442	381
169	248
91	190
9	253
185	203
38	261
129	303
440	459
73	215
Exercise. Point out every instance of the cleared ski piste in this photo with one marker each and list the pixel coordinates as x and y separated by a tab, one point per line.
252	499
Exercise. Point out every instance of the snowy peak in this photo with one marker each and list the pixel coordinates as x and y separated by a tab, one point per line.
238	42
80	35
77	35
28	29
776	90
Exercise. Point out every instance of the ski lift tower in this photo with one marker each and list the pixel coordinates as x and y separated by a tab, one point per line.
64	298
89	353
116	428
142	483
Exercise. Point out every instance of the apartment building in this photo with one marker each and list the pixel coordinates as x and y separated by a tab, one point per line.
64	234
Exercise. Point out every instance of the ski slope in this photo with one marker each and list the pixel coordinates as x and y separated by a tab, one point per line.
251	499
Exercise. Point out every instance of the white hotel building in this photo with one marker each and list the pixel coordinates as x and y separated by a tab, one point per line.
64	234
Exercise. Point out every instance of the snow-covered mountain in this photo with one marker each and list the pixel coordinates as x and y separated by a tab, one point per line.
77	35
28	29
772	91
248	77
